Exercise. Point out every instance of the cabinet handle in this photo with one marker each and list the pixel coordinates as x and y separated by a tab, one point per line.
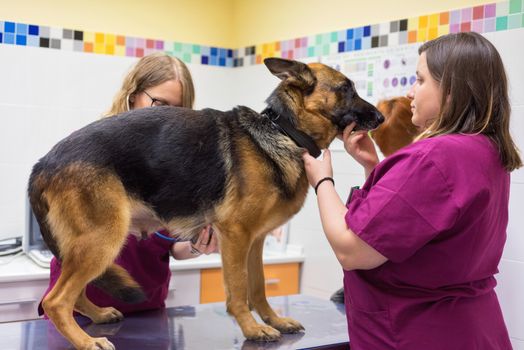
271	281
20	301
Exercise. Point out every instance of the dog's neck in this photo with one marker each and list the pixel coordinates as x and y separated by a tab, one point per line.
285	126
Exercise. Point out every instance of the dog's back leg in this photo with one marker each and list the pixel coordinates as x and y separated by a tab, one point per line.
78	269
90	221
257	293
234	248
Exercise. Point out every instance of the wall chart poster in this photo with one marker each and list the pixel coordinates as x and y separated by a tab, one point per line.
378	73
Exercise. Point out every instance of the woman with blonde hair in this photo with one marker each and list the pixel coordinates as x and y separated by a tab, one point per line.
420	243
157	73
155	80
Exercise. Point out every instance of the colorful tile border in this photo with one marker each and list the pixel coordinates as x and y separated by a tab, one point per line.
491	17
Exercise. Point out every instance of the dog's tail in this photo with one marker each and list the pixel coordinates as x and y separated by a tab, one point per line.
40	207
119	284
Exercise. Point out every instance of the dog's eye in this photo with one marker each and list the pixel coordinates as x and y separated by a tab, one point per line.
343	88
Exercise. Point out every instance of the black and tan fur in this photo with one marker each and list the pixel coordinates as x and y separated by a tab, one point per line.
182	169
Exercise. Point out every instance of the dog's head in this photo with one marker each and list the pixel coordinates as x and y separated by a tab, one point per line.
321	100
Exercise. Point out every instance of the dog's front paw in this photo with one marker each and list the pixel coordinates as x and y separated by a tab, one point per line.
98	344
262	333
286	325
108	315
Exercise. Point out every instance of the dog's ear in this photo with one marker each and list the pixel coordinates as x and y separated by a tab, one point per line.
297	73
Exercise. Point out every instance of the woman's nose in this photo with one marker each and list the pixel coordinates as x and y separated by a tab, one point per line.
411	92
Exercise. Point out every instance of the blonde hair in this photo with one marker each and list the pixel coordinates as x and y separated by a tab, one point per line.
150	71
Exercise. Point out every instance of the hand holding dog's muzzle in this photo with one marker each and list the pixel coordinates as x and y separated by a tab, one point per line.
359	145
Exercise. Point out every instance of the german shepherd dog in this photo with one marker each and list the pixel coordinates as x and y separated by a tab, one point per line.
182	169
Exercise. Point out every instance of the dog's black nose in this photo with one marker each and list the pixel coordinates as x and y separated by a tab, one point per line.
380	118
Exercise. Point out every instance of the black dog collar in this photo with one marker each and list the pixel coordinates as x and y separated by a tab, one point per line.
284	126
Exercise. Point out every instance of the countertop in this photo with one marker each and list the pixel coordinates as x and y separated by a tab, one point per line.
204	326
22	268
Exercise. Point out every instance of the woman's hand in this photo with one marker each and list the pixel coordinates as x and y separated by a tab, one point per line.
359	145
317	169
206	242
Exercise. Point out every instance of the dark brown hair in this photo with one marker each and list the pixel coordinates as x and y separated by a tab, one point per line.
474	91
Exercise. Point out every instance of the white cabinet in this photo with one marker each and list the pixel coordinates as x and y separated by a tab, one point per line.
184	288
23	283
19	300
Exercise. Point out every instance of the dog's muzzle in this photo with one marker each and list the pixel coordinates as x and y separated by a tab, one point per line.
368	121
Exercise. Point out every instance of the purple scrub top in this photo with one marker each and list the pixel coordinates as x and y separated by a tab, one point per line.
147	260
438	210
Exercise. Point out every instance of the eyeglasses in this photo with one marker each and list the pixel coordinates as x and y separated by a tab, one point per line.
155	102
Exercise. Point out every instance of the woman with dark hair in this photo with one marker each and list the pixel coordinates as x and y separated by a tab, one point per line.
421	241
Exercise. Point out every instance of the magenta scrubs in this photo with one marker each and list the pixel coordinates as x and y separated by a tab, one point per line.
438	211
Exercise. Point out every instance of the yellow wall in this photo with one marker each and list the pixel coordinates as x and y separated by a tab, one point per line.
273	20
224	23
206	22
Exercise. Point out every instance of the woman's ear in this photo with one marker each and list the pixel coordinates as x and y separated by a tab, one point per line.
130	101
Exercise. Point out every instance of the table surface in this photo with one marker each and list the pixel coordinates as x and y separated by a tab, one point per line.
204	326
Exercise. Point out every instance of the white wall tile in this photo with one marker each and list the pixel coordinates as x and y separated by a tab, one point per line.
76	80
307	218
55	32
215	88
514	248
101	75
344	164
510	290
48	125
13	70
252	85
517	344
384	28
14	138
512	55
66	45
13	188
517	132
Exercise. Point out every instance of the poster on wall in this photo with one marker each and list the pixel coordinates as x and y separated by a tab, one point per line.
378	73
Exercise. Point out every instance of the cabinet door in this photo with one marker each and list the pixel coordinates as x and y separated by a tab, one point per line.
281	279
19	300
184	288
